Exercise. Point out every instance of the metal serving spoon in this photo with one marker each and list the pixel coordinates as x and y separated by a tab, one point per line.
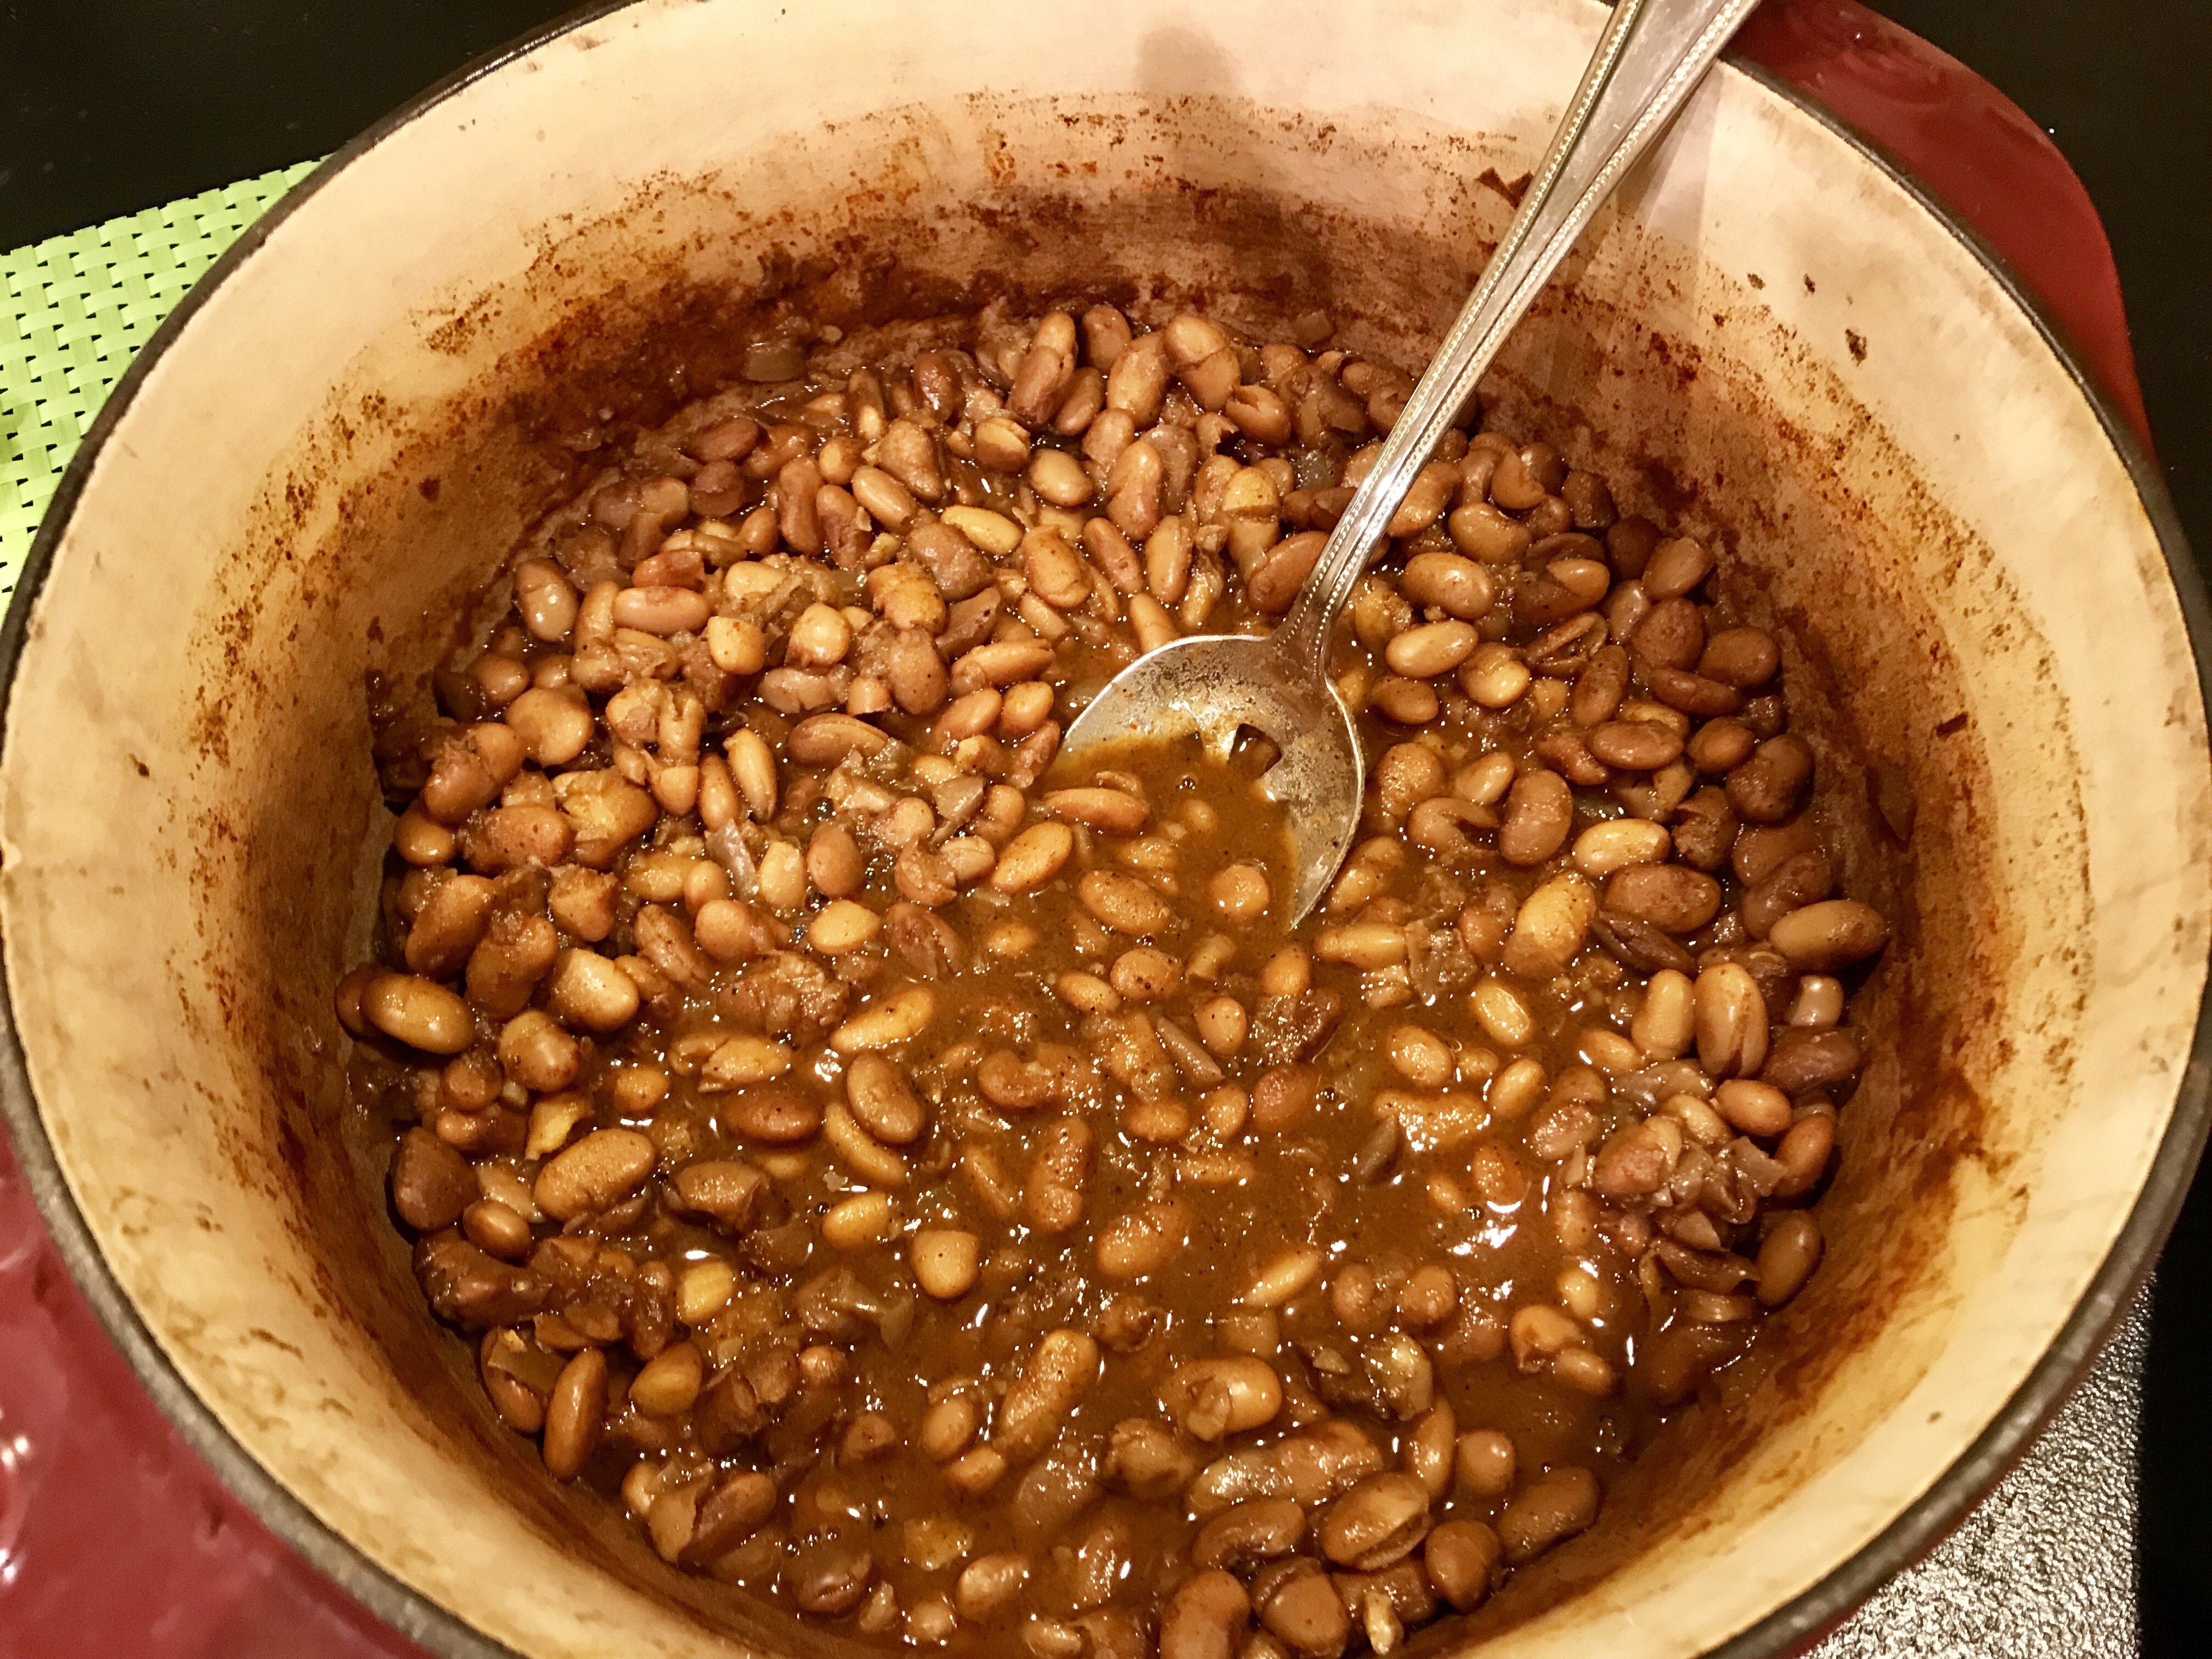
1650	59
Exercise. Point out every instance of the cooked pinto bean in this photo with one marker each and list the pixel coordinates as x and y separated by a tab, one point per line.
785	1050
1771	785
1831	934
1539	813
1557	1505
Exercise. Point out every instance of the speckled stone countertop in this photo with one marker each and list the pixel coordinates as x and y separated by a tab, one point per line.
2045	1567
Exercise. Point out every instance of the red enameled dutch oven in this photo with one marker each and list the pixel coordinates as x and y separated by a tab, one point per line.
1780	339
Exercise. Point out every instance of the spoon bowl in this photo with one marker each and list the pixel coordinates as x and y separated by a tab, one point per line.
1215	689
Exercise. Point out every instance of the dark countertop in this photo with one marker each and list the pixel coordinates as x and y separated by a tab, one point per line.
2102	1542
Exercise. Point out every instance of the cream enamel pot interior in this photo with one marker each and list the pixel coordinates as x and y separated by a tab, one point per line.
1773	340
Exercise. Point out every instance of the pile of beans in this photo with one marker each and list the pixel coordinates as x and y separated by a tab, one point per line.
942	1193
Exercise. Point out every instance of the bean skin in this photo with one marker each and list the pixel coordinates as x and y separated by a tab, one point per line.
576	1414
1539	814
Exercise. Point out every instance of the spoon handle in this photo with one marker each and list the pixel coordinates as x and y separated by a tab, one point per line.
1650	57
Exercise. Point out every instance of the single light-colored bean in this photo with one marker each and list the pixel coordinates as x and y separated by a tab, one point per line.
752	769
1053	1196
882	1101
588	990
1430	648
419	1012
988	1583
1615	845
1494	675
857	1223
867	1159
1666	1020
1060	1372
1113	811
598	1172
1284	1276
843	925
1211	1398
1550	928
1758	1110
1205	1619
901	1015
1503	1016
1539	812
945	1260
1144	1240
994	532
669	1382
740	1061
1731	1021
1033	858
1146	974
1125	903
1431	1445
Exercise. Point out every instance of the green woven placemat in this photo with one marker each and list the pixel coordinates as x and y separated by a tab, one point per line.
73	313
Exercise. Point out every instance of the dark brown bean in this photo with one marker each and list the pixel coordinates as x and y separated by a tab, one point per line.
1720	745
1635	745
1557	1505
1691	694
1670	1366
1706	830
730	1513
1275	580
576	1414
1787	1257
1600	686
1796	883
1669	897
1379	1521
431	1184
1245	1534
1761	849
1673	635
1629	544
1804	1154
1461	1557
1539	810
830	1577
1800	1059
769	1113
1774	783
1590	499
1745	658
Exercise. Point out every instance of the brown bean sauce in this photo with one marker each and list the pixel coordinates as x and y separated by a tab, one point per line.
937	1189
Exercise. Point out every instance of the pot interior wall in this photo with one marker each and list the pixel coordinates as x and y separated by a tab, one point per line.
182	899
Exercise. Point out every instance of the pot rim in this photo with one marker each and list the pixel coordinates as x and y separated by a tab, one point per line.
1803	1618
